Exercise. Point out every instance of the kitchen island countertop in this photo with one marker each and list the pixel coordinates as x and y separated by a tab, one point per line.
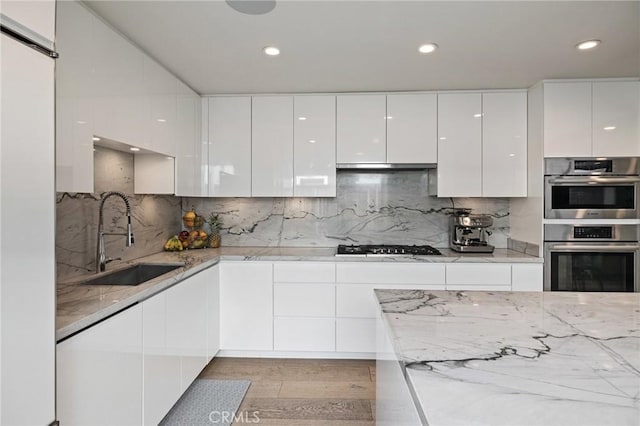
504	358
79	306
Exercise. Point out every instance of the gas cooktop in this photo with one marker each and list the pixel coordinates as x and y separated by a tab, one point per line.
386	250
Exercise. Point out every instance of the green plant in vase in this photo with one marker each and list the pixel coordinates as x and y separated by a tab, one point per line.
215	224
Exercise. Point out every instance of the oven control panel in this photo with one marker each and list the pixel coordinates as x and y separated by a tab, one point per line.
592	232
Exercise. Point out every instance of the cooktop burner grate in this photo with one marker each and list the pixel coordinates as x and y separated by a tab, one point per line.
387	250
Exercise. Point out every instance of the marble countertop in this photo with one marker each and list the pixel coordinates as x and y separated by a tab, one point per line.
79	306
327	254
503	358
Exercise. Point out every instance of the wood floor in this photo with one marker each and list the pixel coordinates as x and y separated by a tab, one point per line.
303	392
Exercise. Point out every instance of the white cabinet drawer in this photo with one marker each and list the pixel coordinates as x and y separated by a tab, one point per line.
355	335
304	334
478	287
492	274
526	277
390	273
299	272
304	300
356	300
359	301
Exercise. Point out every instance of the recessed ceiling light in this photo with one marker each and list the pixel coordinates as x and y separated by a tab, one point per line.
96	139
302	118
161	120
609	128
81	122
477	115
587	44
427	48
312	141
252	7
133	148
271	51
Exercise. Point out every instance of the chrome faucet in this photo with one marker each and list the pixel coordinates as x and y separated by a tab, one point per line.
101	257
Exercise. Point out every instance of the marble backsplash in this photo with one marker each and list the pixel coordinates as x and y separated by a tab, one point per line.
154	218
389	207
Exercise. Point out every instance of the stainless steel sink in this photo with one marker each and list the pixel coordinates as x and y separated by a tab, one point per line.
134	275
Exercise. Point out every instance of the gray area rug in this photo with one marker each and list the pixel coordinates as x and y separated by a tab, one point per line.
208	402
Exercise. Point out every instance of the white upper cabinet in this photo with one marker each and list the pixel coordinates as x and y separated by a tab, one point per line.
459	145
153	174
230	146
567	119
361	129
36	19
616	119
412	128
504	144
272	146
192	150
118	87
74	99
591	119
314	146
160	90
106	87
482	137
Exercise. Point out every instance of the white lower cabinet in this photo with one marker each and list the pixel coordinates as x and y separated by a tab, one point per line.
356	335
304	300
132	367
356	300
99	373
527	277
308	307
162	373
390	273
304	307
187	325
304	334
213	311
476	275
246	306
175	341
356	304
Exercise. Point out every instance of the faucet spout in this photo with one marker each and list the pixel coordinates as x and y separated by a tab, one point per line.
101	256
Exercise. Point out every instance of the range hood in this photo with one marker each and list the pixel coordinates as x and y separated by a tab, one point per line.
385	166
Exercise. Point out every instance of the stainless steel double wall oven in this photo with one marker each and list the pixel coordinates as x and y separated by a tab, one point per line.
601	254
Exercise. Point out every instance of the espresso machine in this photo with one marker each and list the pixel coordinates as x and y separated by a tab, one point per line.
468	233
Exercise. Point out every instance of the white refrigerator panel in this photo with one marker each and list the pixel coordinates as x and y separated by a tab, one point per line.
27	234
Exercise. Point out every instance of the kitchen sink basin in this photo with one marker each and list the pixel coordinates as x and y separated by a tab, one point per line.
134	275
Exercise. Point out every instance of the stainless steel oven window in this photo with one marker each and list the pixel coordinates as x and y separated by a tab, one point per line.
609	267
592	197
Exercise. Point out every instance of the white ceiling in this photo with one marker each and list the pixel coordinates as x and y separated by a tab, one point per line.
336	46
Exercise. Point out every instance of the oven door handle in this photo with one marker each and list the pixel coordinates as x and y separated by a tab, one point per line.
595	247
594	179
